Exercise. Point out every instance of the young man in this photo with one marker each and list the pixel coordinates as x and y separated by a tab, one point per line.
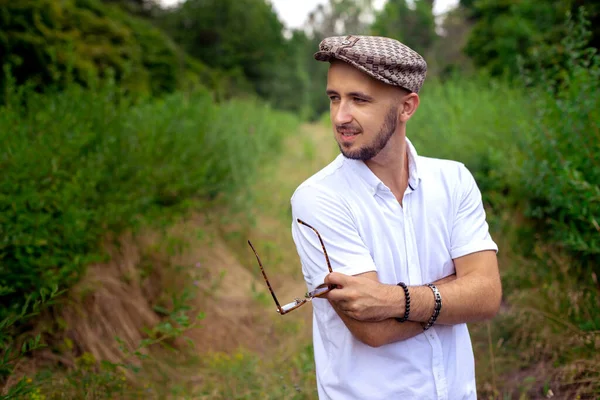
392	222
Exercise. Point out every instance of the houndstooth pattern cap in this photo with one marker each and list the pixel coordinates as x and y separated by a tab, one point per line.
383	58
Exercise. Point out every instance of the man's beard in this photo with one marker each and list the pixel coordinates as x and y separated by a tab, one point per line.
385	133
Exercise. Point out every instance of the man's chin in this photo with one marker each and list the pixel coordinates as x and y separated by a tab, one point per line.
351	154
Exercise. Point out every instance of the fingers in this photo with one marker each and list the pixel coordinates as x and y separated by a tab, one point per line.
337	282
336	279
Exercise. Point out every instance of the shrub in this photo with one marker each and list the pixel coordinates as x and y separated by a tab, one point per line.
562	165
52	42
477	121
78	165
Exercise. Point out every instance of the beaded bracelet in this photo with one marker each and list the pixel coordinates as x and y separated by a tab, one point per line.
437	308
406	302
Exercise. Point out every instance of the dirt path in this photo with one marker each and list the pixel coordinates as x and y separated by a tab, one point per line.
236	301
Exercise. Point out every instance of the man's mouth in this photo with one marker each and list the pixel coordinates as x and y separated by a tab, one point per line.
348	133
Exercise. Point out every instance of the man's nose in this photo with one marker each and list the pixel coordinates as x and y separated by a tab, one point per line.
341	114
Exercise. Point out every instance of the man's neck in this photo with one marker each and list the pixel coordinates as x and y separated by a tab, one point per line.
391	165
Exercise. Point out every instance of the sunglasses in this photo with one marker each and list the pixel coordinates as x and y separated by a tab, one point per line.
298	302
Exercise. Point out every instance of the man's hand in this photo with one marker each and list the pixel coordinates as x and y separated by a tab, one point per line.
472	295
363	298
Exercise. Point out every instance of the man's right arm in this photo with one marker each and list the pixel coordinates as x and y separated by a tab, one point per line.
379	333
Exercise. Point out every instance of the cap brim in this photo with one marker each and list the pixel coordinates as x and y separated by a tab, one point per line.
328	56
323	56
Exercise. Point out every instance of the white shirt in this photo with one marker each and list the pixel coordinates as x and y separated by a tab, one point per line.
365	228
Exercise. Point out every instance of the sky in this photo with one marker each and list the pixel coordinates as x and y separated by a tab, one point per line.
293	13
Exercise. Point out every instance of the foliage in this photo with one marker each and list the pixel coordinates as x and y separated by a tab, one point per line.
534	149
466	117
78	164
143	371
300	81
229	35
144	8
507	29
52	43
82	163
414	26
11	352
246	375
340	17
562	168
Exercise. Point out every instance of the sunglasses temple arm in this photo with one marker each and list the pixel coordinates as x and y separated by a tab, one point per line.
266	279
320	240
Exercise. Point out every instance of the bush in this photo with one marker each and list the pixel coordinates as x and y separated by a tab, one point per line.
562	168
479	122
77	165
52	42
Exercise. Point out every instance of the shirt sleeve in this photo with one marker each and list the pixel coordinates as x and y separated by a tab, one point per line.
470	231
330	216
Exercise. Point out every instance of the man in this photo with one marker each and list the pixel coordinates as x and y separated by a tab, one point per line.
392	222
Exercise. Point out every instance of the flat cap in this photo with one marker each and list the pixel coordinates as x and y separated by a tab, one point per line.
383	58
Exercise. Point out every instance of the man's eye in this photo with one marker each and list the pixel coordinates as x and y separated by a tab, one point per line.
333	98
359	100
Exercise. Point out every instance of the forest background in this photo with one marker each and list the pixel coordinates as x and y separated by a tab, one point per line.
141	146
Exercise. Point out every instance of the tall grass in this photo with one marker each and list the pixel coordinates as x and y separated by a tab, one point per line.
79	163
533	151
563	156
79	166
480	122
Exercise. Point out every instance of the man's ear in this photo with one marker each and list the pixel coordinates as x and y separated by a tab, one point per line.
408	106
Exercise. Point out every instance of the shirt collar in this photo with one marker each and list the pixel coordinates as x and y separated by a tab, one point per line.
373	182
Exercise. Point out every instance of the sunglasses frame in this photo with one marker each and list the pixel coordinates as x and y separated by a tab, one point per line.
297	303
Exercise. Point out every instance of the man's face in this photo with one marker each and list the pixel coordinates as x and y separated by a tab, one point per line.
363	111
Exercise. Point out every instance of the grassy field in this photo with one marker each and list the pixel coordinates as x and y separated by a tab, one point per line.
539	346
208	178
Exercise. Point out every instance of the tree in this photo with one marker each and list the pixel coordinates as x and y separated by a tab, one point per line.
144	8
447	55
340	17
229	35
508	29
414	26
50	42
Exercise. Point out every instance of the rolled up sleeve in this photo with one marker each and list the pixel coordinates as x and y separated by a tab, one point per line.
331	217
470	231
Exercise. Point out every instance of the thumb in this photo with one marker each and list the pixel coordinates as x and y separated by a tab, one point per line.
336	279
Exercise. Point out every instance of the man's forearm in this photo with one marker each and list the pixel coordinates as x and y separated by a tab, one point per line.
378	333
368	307
468	299
472	297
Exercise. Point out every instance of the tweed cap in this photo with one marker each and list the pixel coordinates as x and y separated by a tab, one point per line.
383	58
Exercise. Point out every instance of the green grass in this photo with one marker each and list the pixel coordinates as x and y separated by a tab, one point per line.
162	157
81	166
476	121
546	336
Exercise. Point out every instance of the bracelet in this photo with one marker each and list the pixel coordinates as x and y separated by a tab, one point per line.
406	302
436	309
